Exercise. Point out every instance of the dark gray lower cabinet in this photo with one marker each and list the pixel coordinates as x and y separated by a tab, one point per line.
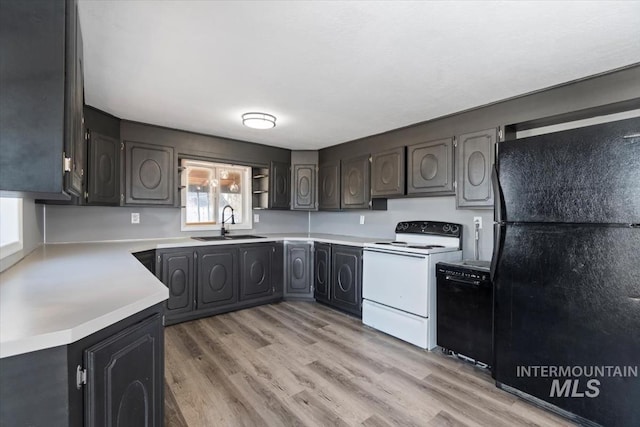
322	271
208	280
124	366
125	377
176	272
255	271
346	278
217	280
299	266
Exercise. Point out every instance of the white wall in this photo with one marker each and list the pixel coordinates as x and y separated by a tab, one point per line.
32	232
382	223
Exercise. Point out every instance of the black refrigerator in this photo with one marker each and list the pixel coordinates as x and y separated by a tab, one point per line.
566	271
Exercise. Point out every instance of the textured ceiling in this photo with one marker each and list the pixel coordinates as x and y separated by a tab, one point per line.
336	71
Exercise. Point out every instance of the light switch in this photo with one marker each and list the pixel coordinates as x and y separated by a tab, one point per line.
135	218
256	218
361	219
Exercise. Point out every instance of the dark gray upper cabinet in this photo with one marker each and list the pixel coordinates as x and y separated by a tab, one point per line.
41	99
475	154
256	271
322	271
103	170
279	185
346	280
176	273
148	174
431	168
125	377
217	277
304	186
329	185
388	173
355	182
298	276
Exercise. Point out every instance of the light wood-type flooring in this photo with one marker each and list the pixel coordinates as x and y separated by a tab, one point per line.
304	364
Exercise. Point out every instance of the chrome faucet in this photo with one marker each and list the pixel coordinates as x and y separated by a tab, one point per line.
233	220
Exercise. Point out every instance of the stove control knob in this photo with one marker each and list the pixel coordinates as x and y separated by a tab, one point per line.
424	226
403	226
446	228
454	229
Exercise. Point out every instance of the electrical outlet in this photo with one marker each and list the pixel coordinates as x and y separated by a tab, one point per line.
135	218
477	220
361	219
256	218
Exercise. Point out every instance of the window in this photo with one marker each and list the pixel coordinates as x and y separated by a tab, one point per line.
10	226
207	188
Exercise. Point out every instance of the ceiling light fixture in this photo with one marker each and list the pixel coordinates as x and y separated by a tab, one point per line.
259	120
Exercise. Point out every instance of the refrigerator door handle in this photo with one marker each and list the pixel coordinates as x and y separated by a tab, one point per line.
498	243
498	209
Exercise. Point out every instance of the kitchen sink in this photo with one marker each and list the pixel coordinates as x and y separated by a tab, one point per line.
227	237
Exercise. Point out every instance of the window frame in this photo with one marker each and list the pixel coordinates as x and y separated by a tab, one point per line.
246	192
14	246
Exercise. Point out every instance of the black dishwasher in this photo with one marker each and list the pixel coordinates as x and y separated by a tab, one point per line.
465	309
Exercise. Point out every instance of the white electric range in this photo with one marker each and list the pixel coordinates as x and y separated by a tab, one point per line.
399	279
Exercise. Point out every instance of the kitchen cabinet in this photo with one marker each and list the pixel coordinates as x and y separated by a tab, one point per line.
125	377
103	170
42	97
431	167
329	185
148	174
474	161
322	271
346	278
271	187
279	186
112	377
217	281
177	272
304	178
355	183
299	270
208	280
256	271
388	173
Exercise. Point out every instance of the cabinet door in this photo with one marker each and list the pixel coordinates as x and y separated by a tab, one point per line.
329	186
280	186
255	271
346	282
356	187
217	278
103	181
75	147
304	194
388	173
177	274
322	271
149	171
298	270
125	376
431	167
474	160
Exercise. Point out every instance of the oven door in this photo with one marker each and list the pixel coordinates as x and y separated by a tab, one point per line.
396	279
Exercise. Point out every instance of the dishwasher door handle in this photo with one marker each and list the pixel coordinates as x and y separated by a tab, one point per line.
465	281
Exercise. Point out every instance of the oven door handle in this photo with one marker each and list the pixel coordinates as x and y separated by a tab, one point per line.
395	253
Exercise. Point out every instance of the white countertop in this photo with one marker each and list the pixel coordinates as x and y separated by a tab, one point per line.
61	293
